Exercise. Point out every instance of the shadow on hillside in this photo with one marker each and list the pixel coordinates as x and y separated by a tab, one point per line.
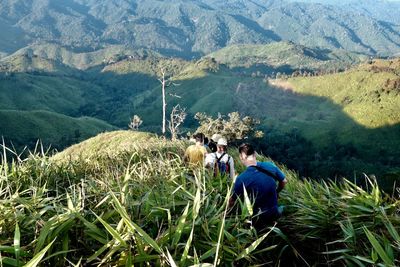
307	133
314	136
256	27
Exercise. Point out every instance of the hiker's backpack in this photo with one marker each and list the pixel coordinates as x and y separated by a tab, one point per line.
221	167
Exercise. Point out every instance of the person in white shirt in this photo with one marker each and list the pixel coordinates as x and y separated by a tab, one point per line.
220	161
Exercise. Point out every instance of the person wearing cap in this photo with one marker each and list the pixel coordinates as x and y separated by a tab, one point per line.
220	161
259	180
213	142
195	154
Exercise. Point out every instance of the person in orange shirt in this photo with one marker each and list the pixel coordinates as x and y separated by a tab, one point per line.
195	154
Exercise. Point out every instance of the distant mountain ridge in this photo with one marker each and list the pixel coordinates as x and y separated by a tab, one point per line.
286	56
383	10
198	27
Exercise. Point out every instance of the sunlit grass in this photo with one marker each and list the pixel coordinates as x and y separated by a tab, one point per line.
139	204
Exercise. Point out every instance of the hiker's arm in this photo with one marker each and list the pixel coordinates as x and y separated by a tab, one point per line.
186	157
281	185
282	181
231	168
231	202
237	191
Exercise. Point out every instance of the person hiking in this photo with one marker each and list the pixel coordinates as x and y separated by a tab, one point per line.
220	162
259	180
213	142
195	154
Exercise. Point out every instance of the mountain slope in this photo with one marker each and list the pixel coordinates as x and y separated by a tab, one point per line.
194	28
50	128
281	55
384	10
30	91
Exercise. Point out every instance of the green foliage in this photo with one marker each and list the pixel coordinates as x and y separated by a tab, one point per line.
136	205
125	198
236	128
337	220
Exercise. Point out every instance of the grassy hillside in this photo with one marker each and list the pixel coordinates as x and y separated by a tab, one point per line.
25	128
112	201
350	118
29	62
369	96
110	144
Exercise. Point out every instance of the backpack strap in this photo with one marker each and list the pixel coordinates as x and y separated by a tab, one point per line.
266	172
219	159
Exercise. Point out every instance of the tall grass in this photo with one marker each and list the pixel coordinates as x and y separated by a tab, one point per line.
142	206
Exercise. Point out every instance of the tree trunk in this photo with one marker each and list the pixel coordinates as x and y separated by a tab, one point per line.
164	104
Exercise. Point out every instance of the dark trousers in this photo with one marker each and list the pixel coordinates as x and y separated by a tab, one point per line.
262	220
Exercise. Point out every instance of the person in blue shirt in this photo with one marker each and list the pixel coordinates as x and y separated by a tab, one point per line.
259	179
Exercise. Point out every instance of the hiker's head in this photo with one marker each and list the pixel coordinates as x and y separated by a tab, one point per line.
206	141
199	137
222	144
212	146
247	152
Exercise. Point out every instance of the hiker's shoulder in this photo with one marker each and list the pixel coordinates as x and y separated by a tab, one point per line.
267	165
203	149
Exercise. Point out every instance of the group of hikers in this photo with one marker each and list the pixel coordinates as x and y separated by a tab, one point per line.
259	179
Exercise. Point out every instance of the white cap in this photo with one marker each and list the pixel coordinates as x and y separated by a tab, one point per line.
222	142
216	137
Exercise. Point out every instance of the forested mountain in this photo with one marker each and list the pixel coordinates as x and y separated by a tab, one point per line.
197	27
383	10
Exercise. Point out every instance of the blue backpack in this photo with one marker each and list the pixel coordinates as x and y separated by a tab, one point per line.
221	167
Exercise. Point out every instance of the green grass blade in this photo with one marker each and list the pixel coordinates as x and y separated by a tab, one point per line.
44	233
99	251
222	226
38	257
129	262
247	202
378	248
253	246
187	247
17	243
8	262
181	225
70	205
7	249
112	231
134	227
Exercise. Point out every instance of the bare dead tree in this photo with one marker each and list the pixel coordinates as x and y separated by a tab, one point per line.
164	103
177	117
164	84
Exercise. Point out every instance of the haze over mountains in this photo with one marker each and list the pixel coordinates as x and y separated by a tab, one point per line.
198	27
